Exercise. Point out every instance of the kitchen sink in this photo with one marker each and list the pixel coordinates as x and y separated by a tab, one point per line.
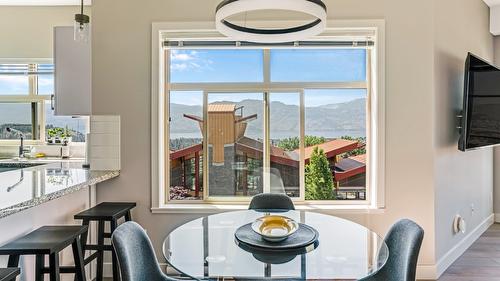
9	166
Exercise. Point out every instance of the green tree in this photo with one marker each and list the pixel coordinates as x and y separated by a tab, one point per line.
290	144
361	146
319	181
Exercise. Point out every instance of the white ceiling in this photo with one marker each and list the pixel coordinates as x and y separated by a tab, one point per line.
492	3
43	2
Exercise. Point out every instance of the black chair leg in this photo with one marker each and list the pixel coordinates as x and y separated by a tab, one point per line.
79	262
83	244
83	237
100	256
39	266
13	261
116	272
128	216
55	273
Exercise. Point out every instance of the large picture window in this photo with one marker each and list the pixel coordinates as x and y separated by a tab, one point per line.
281	120
235	119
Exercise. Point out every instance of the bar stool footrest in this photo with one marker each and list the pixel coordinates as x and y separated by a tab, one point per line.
62	269
90	258
98	248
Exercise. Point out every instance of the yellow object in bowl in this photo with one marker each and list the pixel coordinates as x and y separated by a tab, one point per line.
275	228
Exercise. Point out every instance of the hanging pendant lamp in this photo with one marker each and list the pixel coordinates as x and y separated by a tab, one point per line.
82	26
229	8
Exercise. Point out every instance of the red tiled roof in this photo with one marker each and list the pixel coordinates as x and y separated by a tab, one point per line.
332	148
360	158
185	151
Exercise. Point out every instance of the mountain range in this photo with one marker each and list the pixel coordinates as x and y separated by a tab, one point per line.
340	118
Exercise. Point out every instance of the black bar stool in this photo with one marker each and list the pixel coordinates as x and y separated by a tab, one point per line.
49	240
9	274
104	212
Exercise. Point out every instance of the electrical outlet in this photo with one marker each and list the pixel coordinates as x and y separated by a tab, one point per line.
472	208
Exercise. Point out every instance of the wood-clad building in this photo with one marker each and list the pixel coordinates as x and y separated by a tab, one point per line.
235	160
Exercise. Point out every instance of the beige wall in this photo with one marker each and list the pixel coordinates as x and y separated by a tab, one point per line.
26	32
121	76
427	179
462	180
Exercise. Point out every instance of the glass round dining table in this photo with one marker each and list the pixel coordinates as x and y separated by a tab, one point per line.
206	249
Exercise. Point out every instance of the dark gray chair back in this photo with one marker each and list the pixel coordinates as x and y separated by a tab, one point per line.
271	201
403	240
135	253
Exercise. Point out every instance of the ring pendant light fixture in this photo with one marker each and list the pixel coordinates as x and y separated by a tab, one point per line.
229	8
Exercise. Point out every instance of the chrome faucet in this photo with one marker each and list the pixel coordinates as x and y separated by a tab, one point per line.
22	149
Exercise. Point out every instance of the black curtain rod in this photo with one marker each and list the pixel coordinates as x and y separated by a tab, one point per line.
189	43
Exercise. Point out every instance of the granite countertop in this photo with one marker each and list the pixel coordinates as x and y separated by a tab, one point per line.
27	187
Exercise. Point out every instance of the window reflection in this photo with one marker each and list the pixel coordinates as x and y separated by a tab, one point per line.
235	144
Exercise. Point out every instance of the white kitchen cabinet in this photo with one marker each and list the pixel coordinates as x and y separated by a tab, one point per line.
73	74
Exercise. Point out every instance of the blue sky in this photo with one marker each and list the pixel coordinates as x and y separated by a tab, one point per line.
297	65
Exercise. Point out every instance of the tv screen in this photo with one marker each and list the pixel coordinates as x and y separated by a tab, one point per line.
481	106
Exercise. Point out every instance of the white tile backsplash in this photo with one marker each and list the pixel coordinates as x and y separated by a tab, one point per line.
105	127
103	152
104	141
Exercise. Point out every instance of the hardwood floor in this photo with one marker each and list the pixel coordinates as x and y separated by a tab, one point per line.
481	262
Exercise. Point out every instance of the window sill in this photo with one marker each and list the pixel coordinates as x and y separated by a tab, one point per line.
219	208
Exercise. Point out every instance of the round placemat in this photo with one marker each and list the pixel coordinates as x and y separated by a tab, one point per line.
303	237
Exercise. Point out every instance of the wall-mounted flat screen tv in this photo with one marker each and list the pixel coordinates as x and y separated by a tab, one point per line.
481	105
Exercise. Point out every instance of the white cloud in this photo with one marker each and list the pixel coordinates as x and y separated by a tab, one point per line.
184	60
177	55
179	66
13	84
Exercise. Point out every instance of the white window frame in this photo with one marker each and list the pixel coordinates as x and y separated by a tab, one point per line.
376	162
30	98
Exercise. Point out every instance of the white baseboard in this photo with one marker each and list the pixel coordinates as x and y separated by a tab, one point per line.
433	272
424	272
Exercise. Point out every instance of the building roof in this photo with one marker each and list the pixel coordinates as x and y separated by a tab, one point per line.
349	167
332	148
278	155
348	164
186	152
360	158
221	107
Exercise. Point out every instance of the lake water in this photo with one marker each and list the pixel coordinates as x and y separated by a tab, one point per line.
282	135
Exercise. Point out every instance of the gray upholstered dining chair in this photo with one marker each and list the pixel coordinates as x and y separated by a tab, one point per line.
271	201
135	253
403	240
